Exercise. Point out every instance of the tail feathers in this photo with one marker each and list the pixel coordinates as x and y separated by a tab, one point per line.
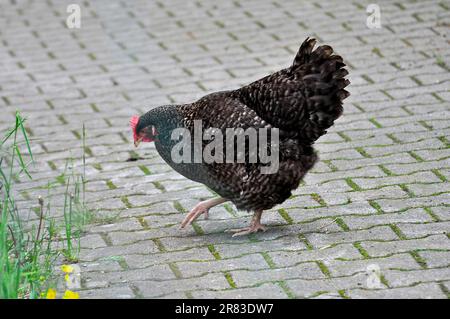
304	52
324	80
303	99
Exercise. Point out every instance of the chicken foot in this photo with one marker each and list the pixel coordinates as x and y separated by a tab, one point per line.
201	208
254	227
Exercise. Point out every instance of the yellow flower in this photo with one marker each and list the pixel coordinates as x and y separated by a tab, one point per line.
70	295
51	294
67	269
67	277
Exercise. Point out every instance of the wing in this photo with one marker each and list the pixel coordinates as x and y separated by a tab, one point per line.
244	183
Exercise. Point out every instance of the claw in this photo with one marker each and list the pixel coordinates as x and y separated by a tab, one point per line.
255	226
201	208
246	230
194	213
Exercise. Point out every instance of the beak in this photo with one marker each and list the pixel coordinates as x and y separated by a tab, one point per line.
137	142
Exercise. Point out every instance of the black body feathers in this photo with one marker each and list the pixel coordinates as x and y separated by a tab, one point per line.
302	101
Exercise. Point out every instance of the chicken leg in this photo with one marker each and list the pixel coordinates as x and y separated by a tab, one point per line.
254	227
201	208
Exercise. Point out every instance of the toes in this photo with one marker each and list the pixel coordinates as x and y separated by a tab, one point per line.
262	228
246	230
236	230
185	221
242	233
195	212
188	220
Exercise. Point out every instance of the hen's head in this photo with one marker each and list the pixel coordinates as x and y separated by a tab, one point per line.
141	131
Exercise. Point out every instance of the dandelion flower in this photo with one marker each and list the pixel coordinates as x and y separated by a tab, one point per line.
51	294
67	269
71	295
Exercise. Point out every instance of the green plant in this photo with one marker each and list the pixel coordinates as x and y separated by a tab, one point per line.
28	255
17	261
76	214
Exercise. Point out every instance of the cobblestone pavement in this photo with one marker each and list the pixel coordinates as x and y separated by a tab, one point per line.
376	203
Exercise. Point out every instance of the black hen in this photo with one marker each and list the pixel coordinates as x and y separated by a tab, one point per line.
301	101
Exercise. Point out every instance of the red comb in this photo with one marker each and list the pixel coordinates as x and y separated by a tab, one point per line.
133	122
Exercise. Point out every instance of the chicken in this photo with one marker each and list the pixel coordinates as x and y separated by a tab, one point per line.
294	106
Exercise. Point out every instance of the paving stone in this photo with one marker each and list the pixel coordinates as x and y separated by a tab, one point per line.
269	291
444	173
343	198
302	202
291	258
379	192
446	286
306	288
345	164
124	225
429	189
370	171
100	265
414	215
386	248
162	272
145	260
160	288
92	241
420	177
402	169
442	212
376	233
116	292
244	278
433	155
284	243
385	150
198	268
421	291
125	238
144	247
335	186
392	205
436	259
347	268
420	230
362	208
408	278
